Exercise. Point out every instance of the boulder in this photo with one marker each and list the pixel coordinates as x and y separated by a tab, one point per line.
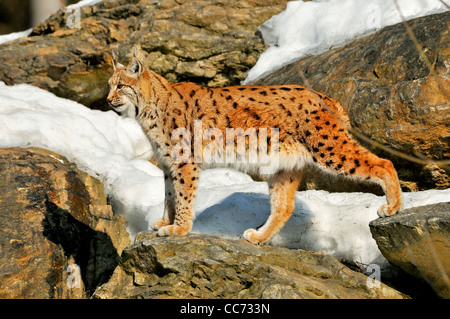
418	242
208	42
389	93
209	266
59	237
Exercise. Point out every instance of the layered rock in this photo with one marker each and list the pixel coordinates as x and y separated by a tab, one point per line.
208	42
59	237
207	266
390	93
418	242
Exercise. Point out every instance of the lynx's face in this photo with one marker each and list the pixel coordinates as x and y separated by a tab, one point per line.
124	90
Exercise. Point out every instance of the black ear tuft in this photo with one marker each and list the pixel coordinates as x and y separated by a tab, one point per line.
116	64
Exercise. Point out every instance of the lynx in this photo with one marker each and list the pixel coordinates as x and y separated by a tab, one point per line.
299	127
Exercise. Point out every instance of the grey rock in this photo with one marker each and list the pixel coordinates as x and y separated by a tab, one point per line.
418	241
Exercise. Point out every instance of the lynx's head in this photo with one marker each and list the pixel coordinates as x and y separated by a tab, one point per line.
125	93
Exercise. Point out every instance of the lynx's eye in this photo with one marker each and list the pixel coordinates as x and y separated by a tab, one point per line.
120	86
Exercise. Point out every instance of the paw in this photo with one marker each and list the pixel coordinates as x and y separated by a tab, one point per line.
172	230
387	210
252	236
159	223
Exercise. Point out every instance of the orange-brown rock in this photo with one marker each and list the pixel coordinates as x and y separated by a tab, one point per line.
59	237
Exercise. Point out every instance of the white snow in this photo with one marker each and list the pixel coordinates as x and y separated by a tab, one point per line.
313	27
115	150
84	3
14	36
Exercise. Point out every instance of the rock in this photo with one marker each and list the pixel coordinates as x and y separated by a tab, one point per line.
418	242
208	42
59	237
389	92
208	266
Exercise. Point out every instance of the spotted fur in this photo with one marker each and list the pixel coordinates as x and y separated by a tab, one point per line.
312	130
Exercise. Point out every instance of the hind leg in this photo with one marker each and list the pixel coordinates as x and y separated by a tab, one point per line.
361	164
384	171
372	168
282	188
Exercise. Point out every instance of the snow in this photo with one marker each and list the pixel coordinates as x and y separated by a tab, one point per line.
116	151
14	36
313	27
83	3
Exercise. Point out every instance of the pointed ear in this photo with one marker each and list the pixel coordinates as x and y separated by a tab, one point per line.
135	66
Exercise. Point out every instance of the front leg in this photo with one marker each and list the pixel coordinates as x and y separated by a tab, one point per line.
185	181
169	202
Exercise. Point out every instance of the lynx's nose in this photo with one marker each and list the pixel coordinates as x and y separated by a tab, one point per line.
110	101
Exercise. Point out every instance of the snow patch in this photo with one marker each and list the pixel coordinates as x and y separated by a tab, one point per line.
84	3
14	36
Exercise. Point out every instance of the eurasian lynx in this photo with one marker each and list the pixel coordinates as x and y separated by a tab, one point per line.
285	127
